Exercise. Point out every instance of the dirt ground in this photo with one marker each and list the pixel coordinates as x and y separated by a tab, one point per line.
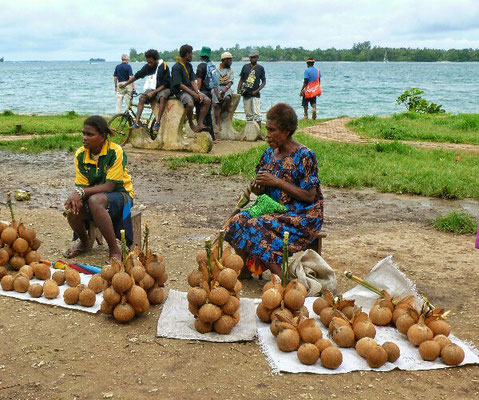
55	353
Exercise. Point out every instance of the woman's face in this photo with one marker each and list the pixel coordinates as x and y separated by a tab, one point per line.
92	139
274	136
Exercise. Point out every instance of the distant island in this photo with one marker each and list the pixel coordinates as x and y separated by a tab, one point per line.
363	51
1	59
97	60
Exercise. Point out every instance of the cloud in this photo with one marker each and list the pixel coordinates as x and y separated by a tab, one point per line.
66	29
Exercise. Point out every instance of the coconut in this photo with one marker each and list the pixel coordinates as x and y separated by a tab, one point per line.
398	311
111	296
156	295
288	340
231	306
219	296
442	340
439	327
364	329
136	296
302	312
275	327
294	298
3	226
452	354
404	322
147	282
107	273
234	262
3	271
27	270
326	316
123	312
348	311
281	313
106	308
59	277
337	321
227	278
71	294
343	336
236	317
363	345
96	283
35	290
238	287
50	289
331	357
224	325
87	297
162	278
203	327
380	315
143	307
10	251
393	351
272	298
138	273
193	309
32	256
263	313
194	278
155	269
20	245
201	257
28	234
226	253
419	332
308	354
376	356
72	277
21	283
309	332
9	235
429	350
121	282
197	296
36	243
4	257
209	313
321	344
7	282
17	262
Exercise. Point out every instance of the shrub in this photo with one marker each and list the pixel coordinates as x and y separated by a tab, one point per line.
415	103
456	222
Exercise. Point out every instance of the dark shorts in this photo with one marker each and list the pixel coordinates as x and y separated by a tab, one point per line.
185	98
311	101
116	202
164	93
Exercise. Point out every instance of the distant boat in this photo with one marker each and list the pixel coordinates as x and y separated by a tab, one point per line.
386	57
244	58
97	60
1	59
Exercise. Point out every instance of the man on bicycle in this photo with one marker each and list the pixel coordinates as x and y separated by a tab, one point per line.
156	87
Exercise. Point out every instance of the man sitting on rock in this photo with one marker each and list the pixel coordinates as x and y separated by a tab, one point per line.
185	88
156	87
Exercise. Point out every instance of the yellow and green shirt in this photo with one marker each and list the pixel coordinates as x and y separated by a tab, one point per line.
111	167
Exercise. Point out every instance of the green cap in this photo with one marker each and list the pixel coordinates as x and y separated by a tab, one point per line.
205	52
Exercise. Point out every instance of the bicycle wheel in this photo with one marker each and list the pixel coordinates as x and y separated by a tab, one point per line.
121	125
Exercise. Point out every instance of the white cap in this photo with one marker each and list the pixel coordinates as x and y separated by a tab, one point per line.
226	54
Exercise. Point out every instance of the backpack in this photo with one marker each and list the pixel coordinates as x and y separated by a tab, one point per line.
212	77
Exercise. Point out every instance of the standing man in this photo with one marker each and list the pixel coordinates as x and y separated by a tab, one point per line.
156	87
311	87
185	88
208	81
252	80
226	76
122	73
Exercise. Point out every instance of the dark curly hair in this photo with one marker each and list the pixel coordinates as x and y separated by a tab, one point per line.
284	115
152	54
185	49
100	125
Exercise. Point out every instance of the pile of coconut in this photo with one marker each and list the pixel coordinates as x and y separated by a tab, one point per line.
134	284
425	327
214	297
18	244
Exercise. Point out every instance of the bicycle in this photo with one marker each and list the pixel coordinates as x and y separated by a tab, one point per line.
121	123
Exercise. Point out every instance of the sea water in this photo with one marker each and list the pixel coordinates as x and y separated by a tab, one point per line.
349	88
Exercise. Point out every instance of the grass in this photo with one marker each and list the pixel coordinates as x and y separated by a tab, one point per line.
456	222
387	167
239	124
70	122
460	128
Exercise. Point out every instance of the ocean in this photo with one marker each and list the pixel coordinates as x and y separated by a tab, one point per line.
349	88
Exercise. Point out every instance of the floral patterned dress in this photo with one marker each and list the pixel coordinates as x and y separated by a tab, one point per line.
262	237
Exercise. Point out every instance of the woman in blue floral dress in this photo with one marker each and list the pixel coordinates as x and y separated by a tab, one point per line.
288	173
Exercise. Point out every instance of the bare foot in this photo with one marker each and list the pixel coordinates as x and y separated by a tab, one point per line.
193	127
201	128
76	249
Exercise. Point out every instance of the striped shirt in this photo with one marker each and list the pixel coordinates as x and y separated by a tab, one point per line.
110	167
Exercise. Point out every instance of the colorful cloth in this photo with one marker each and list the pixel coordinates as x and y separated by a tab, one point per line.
262	237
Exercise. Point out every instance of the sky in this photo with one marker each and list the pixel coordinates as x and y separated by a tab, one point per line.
80	29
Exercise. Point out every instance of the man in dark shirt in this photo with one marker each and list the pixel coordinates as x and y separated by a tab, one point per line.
249	87
206	86
122	73
185	88
157	85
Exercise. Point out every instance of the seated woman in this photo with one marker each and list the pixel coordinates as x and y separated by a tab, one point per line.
104	192
288	173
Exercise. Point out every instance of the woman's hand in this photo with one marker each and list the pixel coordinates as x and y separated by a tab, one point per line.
74	203
267	179
258	189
